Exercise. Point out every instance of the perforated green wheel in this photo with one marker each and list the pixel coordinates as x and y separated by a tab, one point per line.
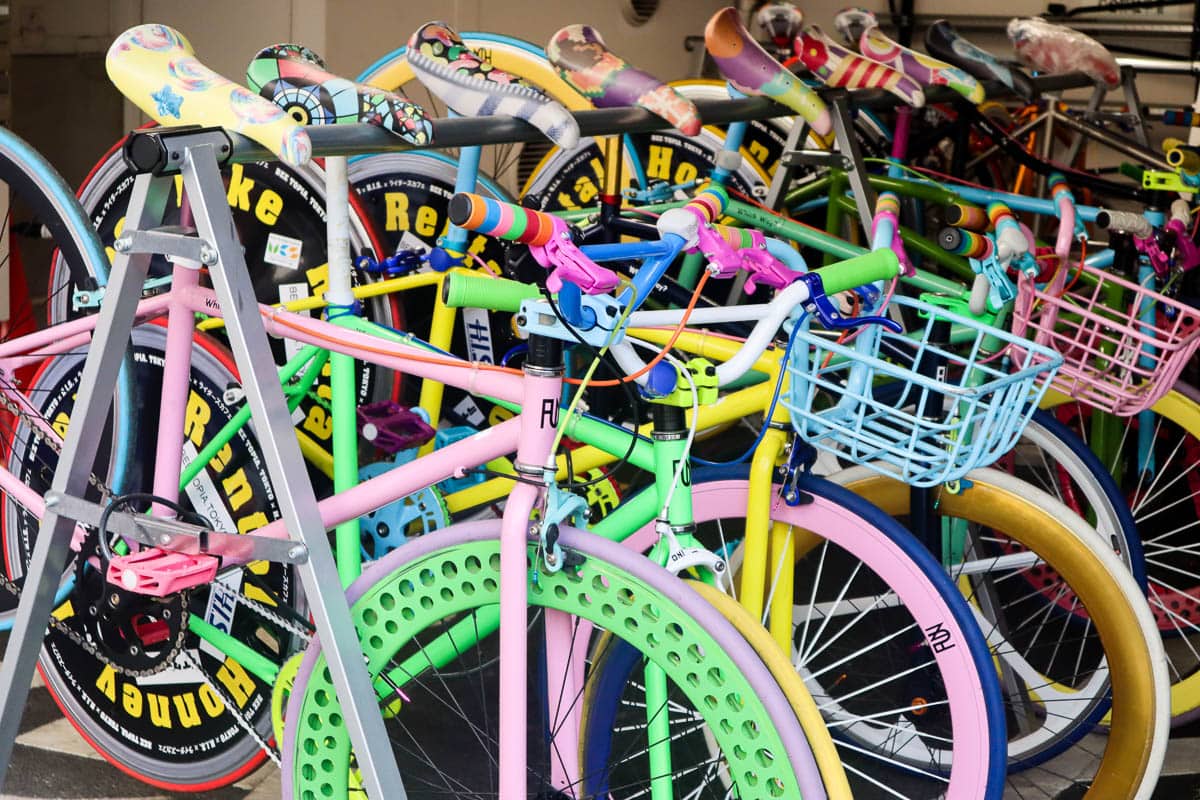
425	615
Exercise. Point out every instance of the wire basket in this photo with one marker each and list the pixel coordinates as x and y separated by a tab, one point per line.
910	405
1120	359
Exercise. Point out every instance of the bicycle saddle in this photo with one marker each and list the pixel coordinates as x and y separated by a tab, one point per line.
473	87
1056	49
585	62
752	70
155	67
837	66
781	22
860	27
296	79
944	42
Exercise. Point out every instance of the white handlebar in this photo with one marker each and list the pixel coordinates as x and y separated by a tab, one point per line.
770	317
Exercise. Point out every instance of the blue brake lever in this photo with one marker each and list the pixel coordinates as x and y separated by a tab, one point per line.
400	263
819	305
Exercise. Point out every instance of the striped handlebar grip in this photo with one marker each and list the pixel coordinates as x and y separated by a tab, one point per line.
501	220
1182	117
972	218
964	243
710	202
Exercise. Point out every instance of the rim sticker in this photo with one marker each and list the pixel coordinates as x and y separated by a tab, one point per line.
283	251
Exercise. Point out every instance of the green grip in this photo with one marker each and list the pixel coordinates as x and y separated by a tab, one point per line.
494	294
878	265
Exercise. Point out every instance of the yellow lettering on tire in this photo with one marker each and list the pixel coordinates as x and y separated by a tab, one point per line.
268	207
131	700
396	205
239	188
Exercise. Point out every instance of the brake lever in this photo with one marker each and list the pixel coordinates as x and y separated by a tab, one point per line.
1187	254
399	263
820	306
566	263
764	268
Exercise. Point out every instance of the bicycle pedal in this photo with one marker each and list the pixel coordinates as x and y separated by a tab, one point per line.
391	427
158	573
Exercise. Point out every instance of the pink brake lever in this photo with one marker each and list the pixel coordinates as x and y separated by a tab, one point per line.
764	268
723	260
566	263
1187	253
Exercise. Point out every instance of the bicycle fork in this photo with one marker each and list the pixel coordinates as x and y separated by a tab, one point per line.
543	387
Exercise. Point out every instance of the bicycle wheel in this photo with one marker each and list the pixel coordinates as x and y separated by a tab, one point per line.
1057	669
1155	458
620	704
182	721
43	223
884	642
433	591
279	214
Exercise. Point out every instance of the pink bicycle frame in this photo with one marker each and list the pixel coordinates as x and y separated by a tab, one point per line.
530	435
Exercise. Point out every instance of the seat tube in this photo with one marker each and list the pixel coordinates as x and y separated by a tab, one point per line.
539	421
669	435
176	384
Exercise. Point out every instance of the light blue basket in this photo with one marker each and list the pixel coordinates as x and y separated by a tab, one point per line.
867	403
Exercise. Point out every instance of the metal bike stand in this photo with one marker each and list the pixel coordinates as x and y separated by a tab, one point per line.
195	156
847	155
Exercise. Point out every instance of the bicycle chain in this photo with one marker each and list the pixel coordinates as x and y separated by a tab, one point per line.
92	650
49	441
305	634
242	722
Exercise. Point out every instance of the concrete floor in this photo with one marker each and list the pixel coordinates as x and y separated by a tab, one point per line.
52	761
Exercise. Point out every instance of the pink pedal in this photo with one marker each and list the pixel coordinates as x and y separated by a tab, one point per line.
158	573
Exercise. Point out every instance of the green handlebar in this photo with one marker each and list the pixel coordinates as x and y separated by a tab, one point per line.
878	265
494	294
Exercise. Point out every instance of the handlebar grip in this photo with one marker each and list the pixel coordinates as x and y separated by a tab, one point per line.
460	290
501	220
877	265
1125	221
962	215
1185	117
710	202
964	243
1182	157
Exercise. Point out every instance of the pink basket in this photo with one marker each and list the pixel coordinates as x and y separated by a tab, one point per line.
1112	359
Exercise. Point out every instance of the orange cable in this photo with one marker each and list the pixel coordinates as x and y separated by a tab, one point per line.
662	353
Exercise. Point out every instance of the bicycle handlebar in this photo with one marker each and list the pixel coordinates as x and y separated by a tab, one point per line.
1181	156
460	290
968	244
877	265
1125	221
501	220
500	294
964	215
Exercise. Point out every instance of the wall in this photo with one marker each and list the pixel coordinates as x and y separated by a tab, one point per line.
65	105
378	26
